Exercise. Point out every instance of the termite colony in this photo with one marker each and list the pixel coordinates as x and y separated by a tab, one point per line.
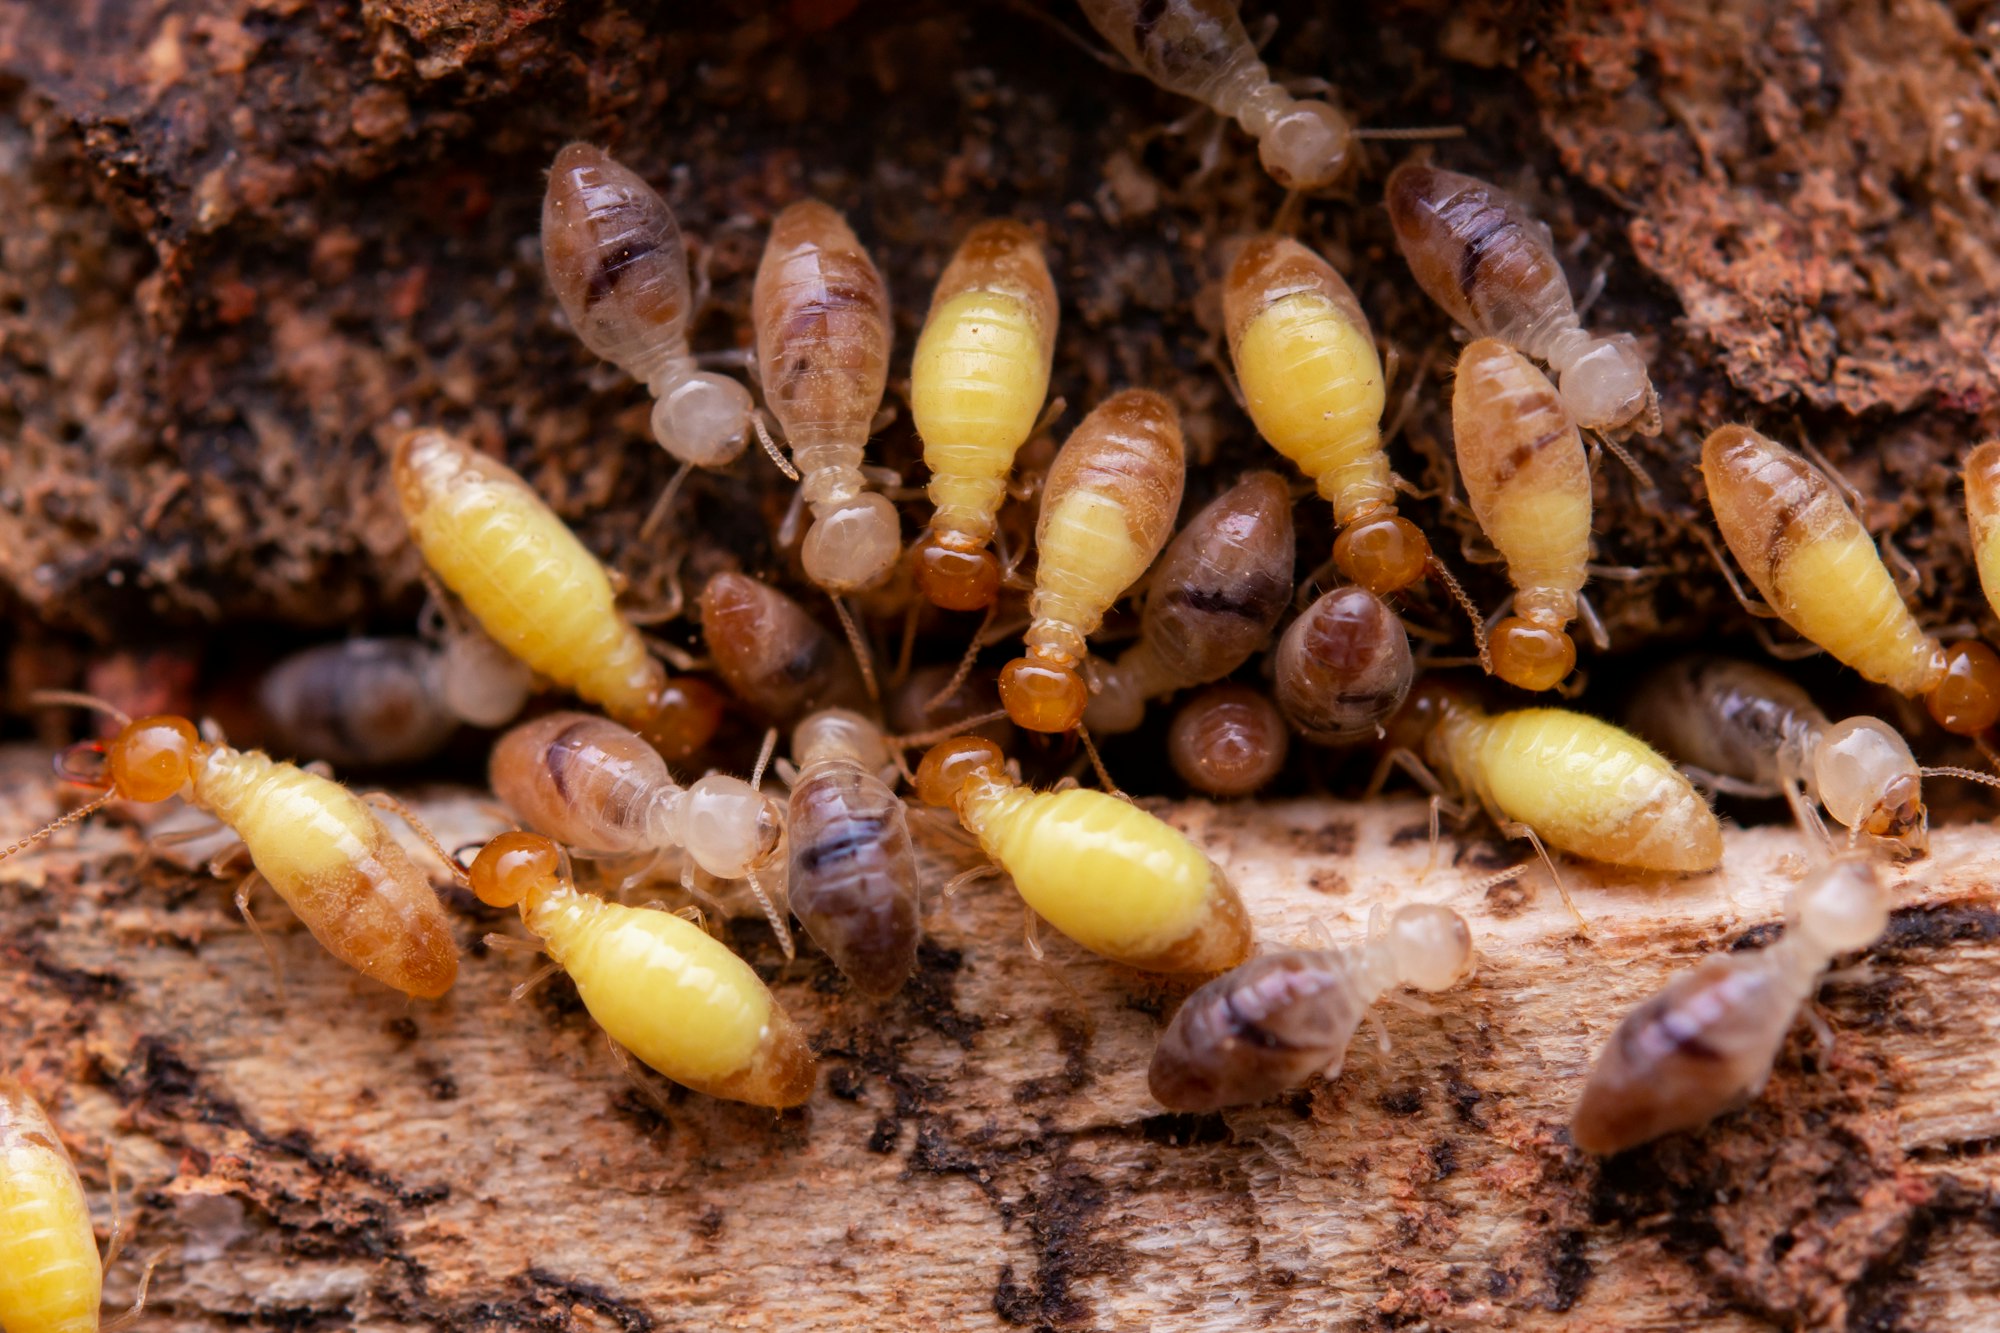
904	640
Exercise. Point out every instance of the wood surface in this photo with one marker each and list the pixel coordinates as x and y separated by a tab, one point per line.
982	1152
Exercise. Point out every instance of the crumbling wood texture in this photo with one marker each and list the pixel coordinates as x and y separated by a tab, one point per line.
982	1152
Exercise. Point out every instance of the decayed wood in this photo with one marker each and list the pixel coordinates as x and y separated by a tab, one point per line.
982	1151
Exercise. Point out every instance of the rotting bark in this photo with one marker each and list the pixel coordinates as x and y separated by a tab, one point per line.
982	1151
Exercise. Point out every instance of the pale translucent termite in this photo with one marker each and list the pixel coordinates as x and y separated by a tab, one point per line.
853	880
1762	733
1818	570
600	790
616	261
365	702
659	986
314	842
1122	883
1107	508
538	592
1705	1044
1199	49
1477	252
1521	458
1212	600
1576	783
771	653
1277	1020
1227	740
822	318
977	382
1343	668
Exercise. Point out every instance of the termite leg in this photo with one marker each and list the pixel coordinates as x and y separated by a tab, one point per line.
244	889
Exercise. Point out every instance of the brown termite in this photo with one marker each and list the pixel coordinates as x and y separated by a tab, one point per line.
368	702
771	653
1745	729
1227	740
1706	1042
853	870
1343	667
1273	1023
1521	458
1107	508
1477	252
1212	600
1818	570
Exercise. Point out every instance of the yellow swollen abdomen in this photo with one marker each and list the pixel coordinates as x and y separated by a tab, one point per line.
1313	383
1115	879
976	388
1545	537
50	1277
1086	559
1586	787
1837	592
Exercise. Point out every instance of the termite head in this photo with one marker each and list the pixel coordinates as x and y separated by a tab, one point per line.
731	828
1384	553
1966	701
1431	946
954	576
1842	905
1530	656
514	867
680	717
1306	147
1040	695
1867	778
152	759
855	546
950	765
1606	387
704	420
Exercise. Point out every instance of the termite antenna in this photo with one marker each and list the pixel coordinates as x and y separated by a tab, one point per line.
1623	455
81	812
1097	762
771	447
779	926
946	732
382	800
1443	575
78	699
958	677
862	657
664	505
1969	774
1413	133
764	757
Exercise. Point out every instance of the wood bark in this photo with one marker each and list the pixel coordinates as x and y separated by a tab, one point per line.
982	1151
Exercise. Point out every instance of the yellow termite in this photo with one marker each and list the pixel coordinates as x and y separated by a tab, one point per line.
538	592
1117	880
313	841
1571	781
822	318
1108	507
977	383
1982	511
1312	382
1199	49
1521	458
1820	572
51	1279
659	986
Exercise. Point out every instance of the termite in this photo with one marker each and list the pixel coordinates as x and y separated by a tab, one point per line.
1276	1021
538	592
1982	512
1752	729
977	383
1227	740
1212	599
366	702
822	318
1120	882
659	986
598	788
771	653
616	261
1198	49
1107	508
1564	779
1818	571
1521	458
853	881
1477	252
1312	382
51	1277
1343	668
314	842
1706	1042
